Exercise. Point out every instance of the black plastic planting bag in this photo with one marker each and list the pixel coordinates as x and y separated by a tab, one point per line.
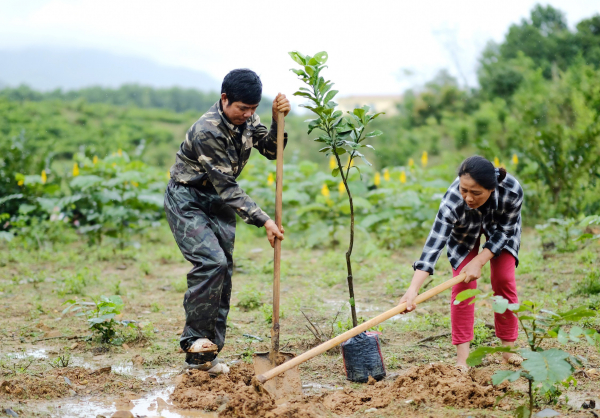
362	358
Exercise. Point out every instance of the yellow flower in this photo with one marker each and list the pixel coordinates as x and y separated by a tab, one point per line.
386	175
44	177
402	177
411	163
168	174
515	159
350	163
95	160
114	165
270	179
75	170
341	187
20	182
496	162
120	152
332	162
135	183
424	158
325	190
377	179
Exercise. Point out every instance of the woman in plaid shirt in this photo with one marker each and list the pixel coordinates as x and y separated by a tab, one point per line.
482	200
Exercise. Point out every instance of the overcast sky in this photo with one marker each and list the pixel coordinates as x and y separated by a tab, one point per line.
370	43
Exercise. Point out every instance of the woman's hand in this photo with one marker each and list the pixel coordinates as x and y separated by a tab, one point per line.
472	270
273	232
280	104
409	297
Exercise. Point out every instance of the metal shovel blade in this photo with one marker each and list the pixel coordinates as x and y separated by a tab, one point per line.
283	386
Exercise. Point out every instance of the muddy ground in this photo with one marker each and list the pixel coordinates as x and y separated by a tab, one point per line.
52	365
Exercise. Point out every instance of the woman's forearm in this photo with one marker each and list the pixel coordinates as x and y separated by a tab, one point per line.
484	256
418	279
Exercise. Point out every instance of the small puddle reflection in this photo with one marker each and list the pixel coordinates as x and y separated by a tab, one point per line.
37	353
150	405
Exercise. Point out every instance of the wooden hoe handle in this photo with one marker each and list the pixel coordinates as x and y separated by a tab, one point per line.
357	330
277	255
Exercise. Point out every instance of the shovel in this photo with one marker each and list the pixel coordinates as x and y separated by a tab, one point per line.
264	378
287	382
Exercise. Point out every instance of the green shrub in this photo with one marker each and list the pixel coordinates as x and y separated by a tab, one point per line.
249	298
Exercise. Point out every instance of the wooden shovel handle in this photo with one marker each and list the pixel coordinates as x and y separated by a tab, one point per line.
357	330
277	252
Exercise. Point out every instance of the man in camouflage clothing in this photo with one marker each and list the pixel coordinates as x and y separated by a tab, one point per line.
203	197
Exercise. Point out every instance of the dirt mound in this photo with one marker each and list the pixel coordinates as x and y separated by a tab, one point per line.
233	394
68	381
431	384
447	385
195	389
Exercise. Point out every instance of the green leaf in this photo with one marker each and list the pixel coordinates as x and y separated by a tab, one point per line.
321	57
299	58
374	134
547	366
513	307
340	151
335	172
10	197
562	337
352	302
299	72
477	355
325	149
466	294
575	333
499	304
330	96
502	375
578	313
522	412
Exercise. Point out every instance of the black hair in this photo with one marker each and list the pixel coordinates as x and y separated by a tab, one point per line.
242	85
482	171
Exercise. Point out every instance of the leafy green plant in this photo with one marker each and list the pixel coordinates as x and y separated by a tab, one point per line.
559	233
100	315
249	298
180	285
342	134
75	283
545	370
590	285
156	307
267	312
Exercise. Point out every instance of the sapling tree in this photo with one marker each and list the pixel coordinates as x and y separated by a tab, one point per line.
340	134
545	369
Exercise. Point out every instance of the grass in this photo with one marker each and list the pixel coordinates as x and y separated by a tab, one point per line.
152	281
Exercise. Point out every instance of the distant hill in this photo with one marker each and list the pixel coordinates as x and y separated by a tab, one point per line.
52	68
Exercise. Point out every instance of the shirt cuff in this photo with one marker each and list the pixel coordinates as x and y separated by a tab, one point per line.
260	219
423	266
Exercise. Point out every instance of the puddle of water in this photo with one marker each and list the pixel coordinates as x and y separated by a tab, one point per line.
37	353
149	405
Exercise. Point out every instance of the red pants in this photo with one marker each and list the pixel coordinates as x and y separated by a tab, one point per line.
503	284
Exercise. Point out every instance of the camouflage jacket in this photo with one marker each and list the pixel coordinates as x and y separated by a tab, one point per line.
215	151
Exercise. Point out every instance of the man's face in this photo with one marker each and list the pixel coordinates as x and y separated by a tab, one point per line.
473	194
237	112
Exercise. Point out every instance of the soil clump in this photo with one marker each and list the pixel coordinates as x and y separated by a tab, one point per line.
68	381
435	384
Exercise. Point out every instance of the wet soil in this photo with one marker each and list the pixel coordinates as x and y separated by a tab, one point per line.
64	382
435	384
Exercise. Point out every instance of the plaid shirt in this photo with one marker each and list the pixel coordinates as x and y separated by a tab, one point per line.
460	227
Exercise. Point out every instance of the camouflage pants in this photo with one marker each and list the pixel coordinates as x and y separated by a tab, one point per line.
204	229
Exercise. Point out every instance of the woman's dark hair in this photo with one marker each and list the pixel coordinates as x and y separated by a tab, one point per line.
482	171
242	85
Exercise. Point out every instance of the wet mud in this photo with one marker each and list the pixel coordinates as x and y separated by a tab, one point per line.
65	382
435	384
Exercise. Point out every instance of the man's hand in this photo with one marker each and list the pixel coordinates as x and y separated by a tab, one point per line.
280	104
273	232
409	297
473	270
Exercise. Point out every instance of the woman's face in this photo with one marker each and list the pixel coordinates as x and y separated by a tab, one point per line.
473	194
